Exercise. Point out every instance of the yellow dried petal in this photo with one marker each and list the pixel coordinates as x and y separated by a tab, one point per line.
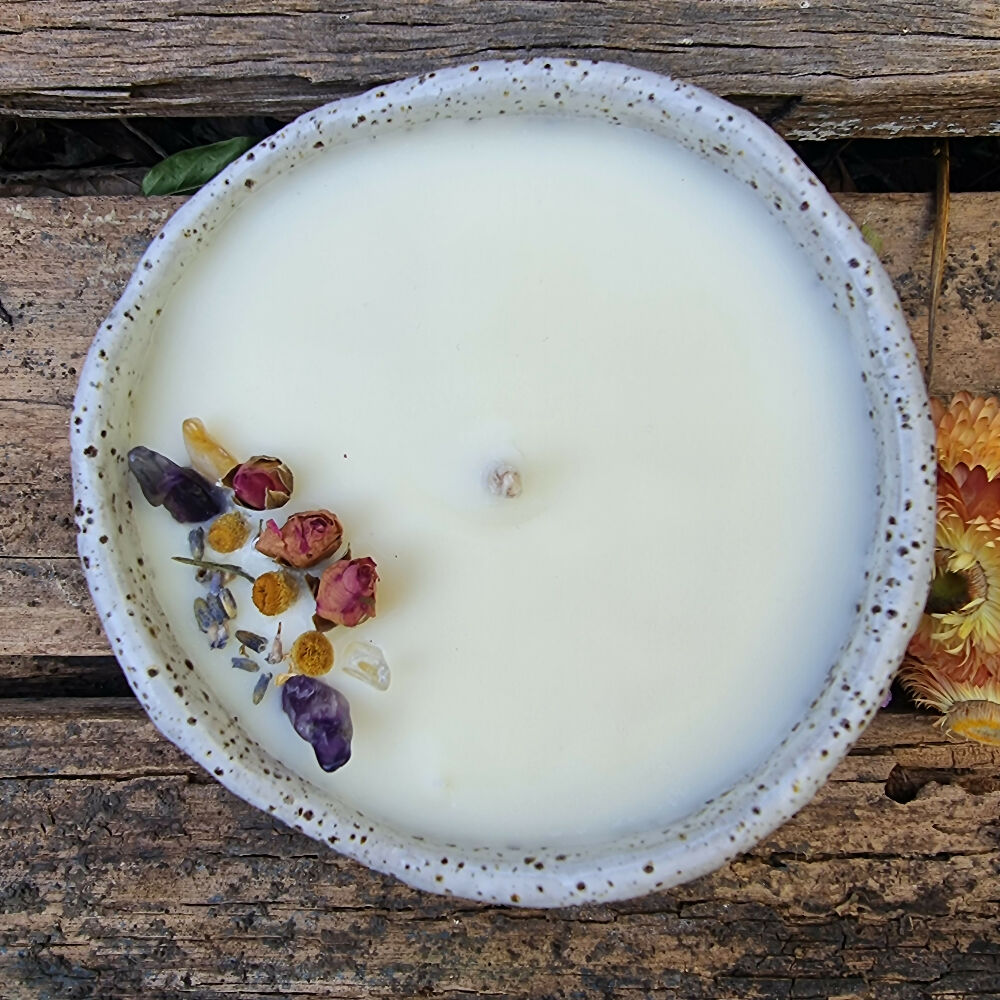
273	593
228	532
312	654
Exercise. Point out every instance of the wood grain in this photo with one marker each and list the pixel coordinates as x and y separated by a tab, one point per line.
817	69
64	261
125	871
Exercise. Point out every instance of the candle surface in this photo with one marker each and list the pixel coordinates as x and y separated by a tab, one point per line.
633	333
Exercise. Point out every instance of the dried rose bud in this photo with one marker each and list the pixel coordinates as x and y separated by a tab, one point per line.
312	654
206	454
228	533
305	540
186	495
260	483
273	593
347	592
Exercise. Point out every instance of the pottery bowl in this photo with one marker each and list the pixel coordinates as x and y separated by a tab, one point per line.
180	702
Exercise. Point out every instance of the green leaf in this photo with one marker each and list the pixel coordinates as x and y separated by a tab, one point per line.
187	170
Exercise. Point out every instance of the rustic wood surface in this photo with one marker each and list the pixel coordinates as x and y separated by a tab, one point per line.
816	68
131	872
126	871
63	262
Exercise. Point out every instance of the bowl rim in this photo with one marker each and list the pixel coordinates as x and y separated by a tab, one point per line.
507	877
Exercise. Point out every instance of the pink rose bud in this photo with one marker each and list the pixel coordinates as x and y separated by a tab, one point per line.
260	483
346	594
305	540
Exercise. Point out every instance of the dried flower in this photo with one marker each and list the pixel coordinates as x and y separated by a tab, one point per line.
321	715
273	593
187	496
218	635
260	688
251	640
969	432
196	542
218	570
305	539
228	532
347	592
277	651
206	454
312	654
202	615
260	483
228	602
953	661
245	663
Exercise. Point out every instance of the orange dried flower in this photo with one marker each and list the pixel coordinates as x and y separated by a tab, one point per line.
953	662
312	654
273	593
228	532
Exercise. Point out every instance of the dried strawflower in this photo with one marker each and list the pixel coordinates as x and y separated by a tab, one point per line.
185	494
228	532
206	454
346	594
321	715
304	540
260	483
953	662
273	593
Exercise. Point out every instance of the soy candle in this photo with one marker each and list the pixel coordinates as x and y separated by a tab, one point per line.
639	613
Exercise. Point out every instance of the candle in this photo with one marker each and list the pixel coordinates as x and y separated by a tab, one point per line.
597	422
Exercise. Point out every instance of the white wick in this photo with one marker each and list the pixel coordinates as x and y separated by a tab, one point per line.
503	480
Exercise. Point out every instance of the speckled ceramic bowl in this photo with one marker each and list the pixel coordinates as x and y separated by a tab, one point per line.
168	684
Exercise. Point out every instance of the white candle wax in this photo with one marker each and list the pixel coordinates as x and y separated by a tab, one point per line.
640	339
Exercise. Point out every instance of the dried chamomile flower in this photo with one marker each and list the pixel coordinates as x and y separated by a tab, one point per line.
273	593
228	532
206	454
312	654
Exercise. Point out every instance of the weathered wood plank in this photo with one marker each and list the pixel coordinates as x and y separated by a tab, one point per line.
124	871
64	261
60	677
817	69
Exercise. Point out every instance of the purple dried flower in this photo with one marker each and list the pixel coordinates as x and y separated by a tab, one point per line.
186	495
322	717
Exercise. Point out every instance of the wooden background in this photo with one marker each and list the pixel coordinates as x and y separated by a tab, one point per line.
126	871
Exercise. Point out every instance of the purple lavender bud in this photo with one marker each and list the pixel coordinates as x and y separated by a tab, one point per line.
322	717
186	495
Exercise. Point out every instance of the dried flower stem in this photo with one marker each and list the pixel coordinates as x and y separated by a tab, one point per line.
219	567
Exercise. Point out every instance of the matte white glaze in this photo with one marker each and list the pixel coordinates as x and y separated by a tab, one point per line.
185	708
